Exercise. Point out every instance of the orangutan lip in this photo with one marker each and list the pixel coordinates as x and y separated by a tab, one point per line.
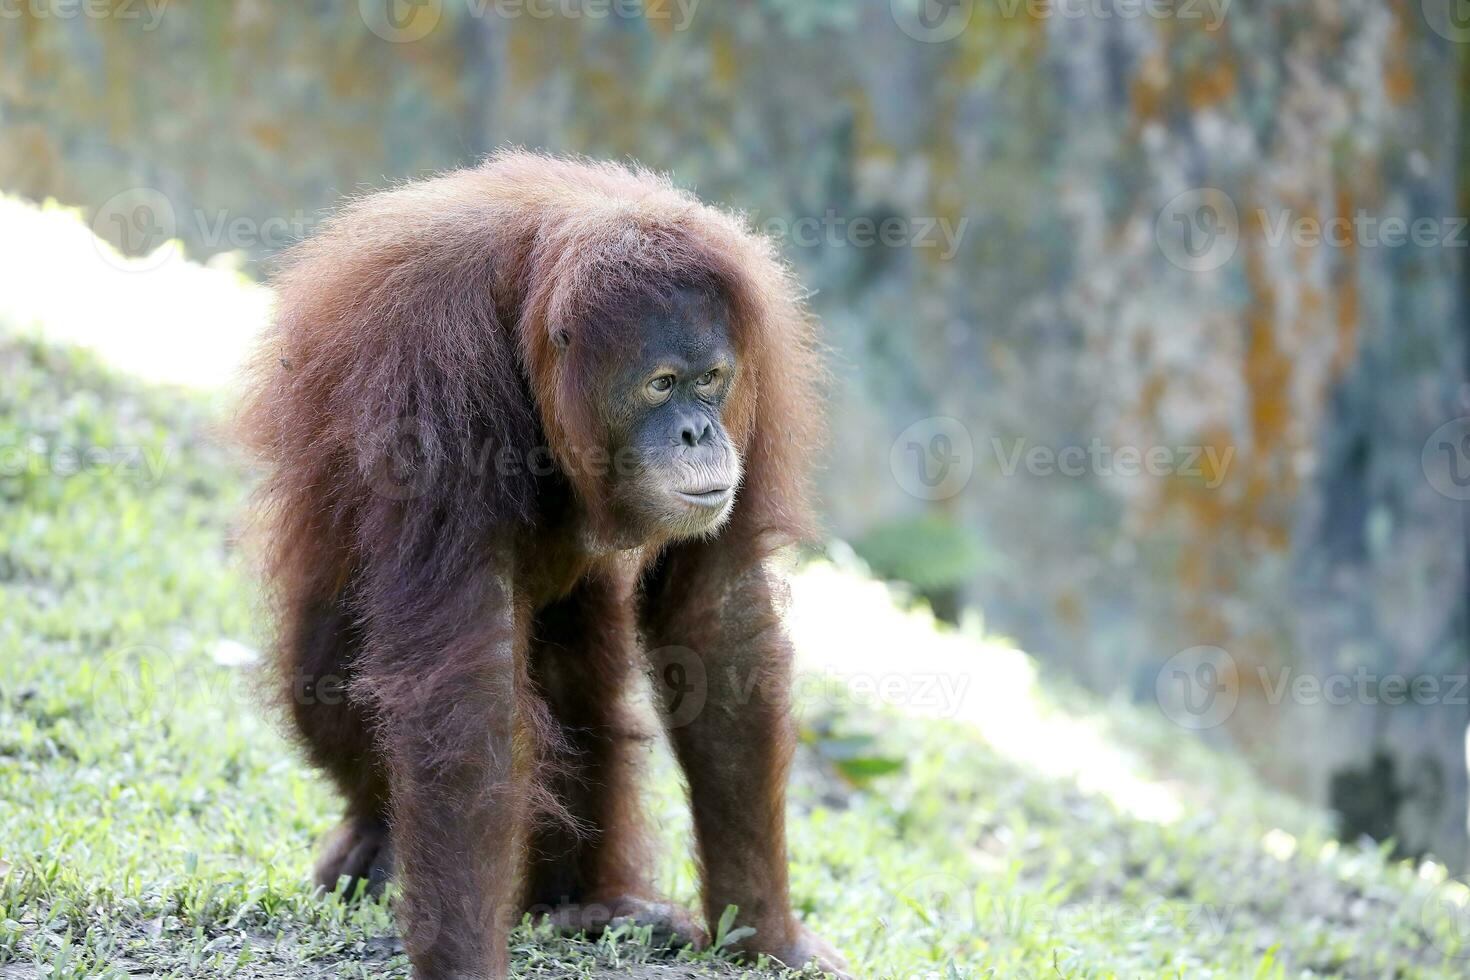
707	498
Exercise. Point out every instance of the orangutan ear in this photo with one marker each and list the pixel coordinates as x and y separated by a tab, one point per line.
560	338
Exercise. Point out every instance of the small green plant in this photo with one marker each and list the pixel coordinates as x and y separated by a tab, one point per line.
933	554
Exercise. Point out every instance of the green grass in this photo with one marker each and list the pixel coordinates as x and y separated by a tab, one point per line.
153	821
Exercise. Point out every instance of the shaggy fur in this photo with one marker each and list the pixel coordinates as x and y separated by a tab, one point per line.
456	634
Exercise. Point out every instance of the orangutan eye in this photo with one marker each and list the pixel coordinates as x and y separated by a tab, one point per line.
707	378
660	387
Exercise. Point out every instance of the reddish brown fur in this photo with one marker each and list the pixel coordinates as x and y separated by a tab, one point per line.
484	622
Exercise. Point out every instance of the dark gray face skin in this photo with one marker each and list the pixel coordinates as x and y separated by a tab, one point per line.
677	470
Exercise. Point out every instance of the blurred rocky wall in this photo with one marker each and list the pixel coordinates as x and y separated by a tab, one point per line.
1163	302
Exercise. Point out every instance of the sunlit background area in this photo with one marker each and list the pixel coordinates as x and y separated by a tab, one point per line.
1138	640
